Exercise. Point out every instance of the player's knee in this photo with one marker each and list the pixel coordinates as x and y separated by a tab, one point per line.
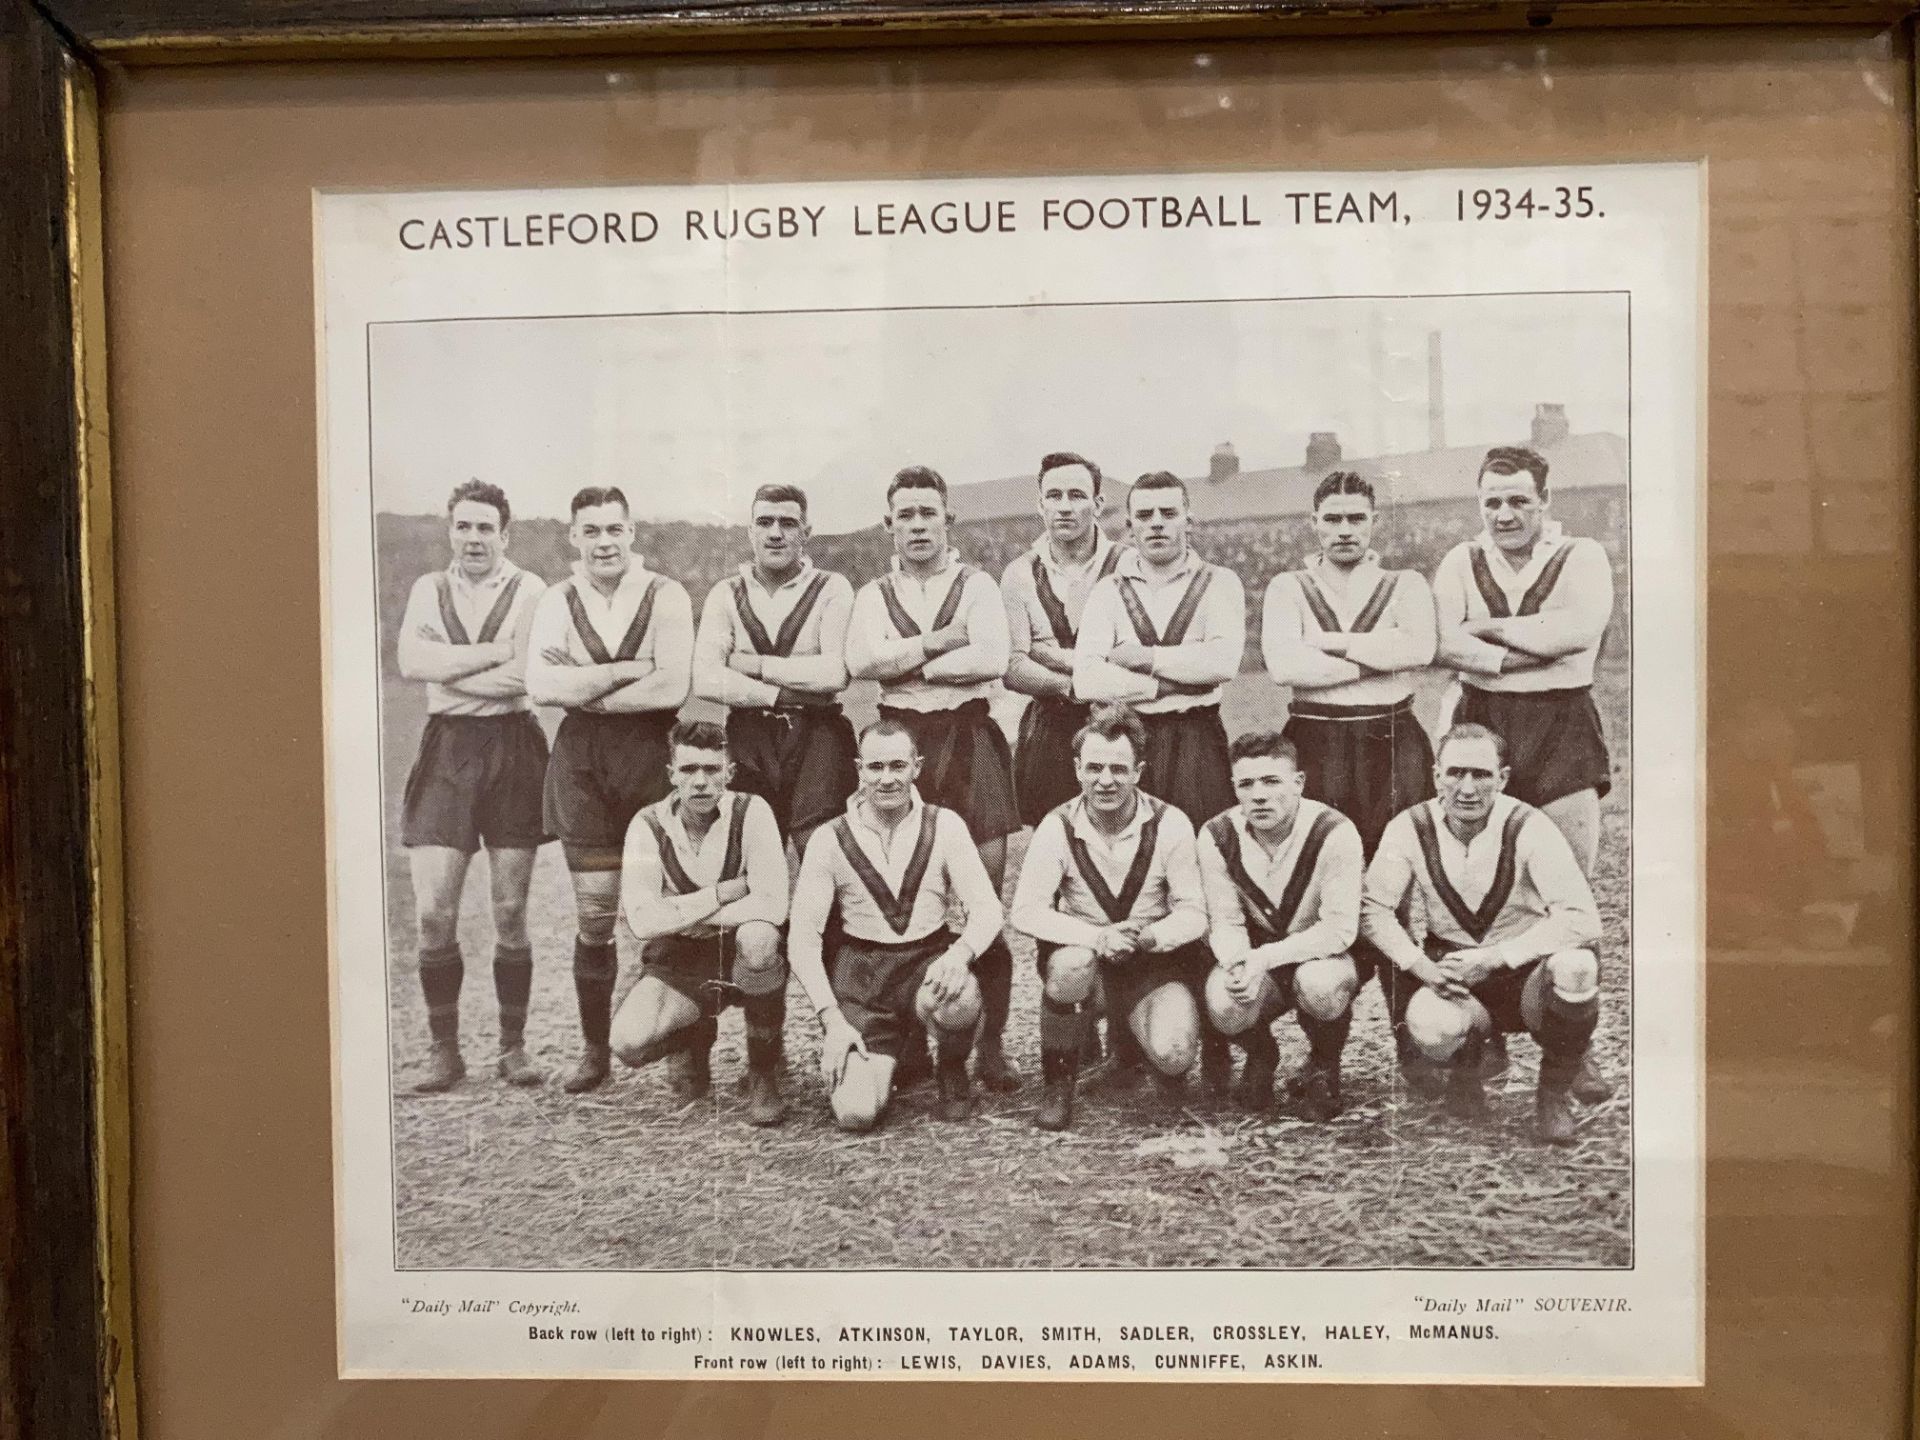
1574	975
1437	1027
758	966
958	1012
1071	971
439	926
1325	988
1229	1016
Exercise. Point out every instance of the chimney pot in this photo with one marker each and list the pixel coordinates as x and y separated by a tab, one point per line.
1225	463
1323	450
1550	425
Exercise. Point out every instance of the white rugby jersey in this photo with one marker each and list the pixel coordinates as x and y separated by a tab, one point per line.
1557	604
667	882
1194	621
446	608
799	631
1386	615
1077	880
1514	889
648	617
1303	900
891	617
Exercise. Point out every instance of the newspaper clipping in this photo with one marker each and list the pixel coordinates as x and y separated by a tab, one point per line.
1088	777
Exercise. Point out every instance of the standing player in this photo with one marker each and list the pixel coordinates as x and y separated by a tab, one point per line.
703	886
896	868
1347	637
1282	877
1511	930
772	649
1522	608
1164	634
613	646
1046	589
933	632
476	780
1111	891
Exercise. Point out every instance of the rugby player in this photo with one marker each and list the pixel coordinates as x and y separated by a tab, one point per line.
1347	638
772	649
1282	876
1164	633
613	646
1512	930
1522	609
897	868
703	887
476	780
1046	590
1110	891
933	632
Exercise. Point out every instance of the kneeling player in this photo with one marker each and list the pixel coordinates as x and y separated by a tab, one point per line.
704	887
1282	877
1512	930
1111	891
896	868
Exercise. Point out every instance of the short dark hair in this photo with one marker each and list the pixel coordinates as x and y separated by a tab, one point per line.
780	495
1262	745
1512	460
600	495
1343	482
696	735
1160	480
1467	730
885	726
484	493
1061	459
916	477
1113	722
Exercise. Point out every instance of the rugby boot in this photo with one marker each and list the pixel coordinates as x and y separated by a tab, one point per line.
956	1090
1216	1067
1319	1093
1466	1088
515	1068
1422	1077
1494	1058
1172	1089
992	1068
1590	1087
445	1069
1553	1115
1056	1101
595	1065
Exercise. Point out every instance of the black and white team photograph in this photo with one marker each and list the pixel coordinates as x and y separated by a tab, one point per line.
1040	787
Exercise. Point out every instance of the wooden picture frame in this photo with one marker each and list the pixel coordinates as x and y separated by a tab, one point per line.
67	1365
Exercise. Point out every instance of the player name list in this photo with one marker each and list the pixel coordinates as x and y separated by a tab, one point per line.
1437	1333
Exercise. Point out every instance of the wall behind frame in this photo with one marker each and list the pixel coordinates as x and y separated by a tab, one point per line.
1809	139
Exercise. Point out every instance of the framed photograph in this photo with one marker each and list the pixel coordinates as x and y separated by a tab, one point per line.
788	703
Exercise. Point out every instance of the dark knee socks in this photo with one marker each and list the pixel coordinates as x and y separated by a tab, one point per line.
766	1022
993	972
512	984
594	969
441	971
1326	1039
1063	1032
1566	1029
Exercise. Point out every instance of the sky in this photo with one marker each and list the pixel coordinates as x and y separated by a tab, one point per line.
690	413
